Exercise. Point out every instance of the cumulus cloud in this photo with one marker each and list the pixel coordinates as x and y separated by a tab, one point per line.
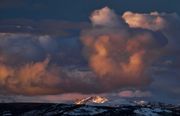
120	55
28	65
167	23
167	71
37	65
151	21
31	79
105	17
119	52
43	78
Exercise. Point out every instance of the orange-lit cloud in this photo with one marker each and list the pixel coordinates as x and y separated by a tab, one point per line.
31	79
120	55
105	17
152	21
166	23
137	93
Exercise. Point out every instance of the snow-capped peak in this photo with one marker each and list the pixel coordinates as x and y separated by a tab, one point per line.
92	99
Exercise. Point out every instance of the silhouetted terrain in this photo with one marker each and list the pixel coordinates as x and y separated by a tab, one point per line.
48	109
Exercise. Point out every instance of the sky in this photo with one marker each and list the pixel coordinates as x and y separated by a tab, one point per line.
60	50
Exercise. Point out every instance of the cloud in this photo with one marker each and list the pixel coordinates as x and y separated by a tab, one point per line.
44	78
119	54
26	47
152	21
31	65
166	75
136	93
167	23
31	47
105	17
31	79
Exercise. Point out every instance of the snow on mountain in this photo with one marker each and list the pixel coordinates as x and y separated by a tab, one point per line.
151	112
103	101
51	109
92	100
86	110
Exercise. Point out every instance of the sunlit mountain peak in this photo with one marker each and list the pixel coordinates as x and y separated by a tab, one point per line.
92	99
